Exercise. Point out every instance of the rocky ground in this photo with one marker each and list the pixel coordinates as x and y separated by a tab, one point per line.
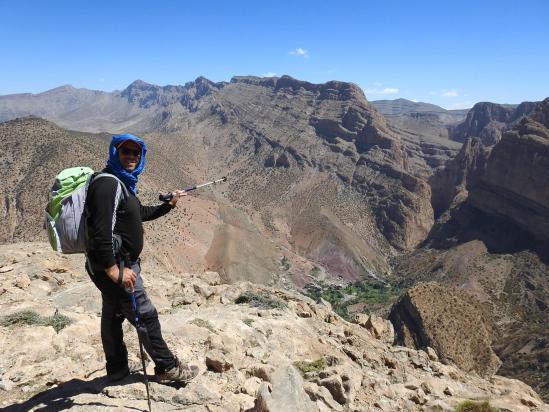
258	349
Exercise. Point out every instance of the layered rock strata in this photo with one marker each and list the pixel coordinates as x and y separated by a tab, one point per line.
515	183
488	121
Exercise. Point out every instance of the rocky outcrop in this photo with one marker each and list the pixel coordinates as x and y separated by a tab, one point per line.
280	359
491	239
488	121
513	288
515	184
284	392
146	95
449	184
380	328
446	319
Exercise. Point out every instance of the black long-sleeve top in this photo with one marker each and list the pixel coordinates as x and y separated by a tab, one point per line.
111	212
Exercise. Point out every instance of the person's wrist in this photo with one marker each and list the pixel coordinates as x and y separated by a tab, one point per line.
113	273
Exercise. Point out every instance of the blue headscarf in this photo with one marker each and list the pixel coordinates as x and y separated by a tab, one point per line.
128	178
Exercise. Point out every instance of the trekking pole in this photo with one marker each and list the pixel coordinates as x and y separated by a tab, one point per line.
137	324
168	196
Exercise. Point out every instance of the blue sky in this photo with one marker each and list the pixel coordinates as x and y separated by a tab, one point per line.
450	53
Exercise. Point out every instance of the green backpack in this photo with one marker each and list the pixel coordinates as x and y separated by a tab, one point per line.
66	213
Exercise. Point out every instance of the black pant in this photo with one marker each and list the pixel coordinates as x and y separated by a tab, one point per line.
117	306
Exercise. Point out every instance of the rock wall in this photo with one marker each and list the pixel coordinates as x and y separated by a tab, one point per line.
449	184
488	121
515	184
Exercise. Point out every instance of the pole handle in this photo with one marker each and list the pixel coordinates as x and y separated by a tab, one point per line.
165	198
168	196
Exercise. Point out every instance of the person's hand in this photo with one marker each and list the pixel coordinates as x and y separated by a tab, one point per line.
128	278
176	195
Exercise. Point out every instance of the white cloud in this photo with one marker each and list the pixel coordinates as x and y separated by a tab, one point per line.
299	52
269	74
449	93
385	90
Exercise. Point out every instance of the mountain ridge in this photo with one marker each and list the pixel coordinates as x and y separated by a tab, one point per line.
322	190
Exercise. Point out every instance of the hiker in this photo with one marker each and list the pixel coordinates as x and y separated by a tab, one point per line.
115	234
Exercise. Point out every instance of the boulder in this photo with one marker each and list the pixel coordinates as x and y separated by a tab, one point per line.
380	328
334	384
251	386
22	282
217	361
204	291
287	393
432	354
211	278
321	393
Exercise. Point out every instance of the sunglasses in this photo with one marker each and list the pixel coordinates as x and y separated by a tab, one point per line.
127	151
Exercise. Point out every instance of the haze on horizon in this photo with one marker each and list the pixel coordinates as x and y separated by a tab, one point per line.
452	55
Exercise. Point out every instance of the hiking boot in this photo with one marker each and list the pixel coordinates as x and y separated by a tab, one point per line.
133	367
181	372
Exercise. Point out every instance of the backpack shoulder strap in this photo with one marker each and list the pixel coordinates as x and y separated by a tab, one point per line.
125	195
100	175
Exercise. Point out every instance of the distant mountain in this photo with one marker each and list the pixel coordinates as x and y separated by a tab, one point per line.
425	122
140	107
77	109
403	106
488	121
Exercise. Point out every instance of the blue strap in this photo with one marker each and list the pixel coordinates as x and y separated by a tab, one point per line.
134	305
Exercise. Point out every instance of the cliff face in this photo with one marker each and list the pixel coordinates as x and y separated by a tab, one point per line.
515	184
303	133
449	184
507	180
488	121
